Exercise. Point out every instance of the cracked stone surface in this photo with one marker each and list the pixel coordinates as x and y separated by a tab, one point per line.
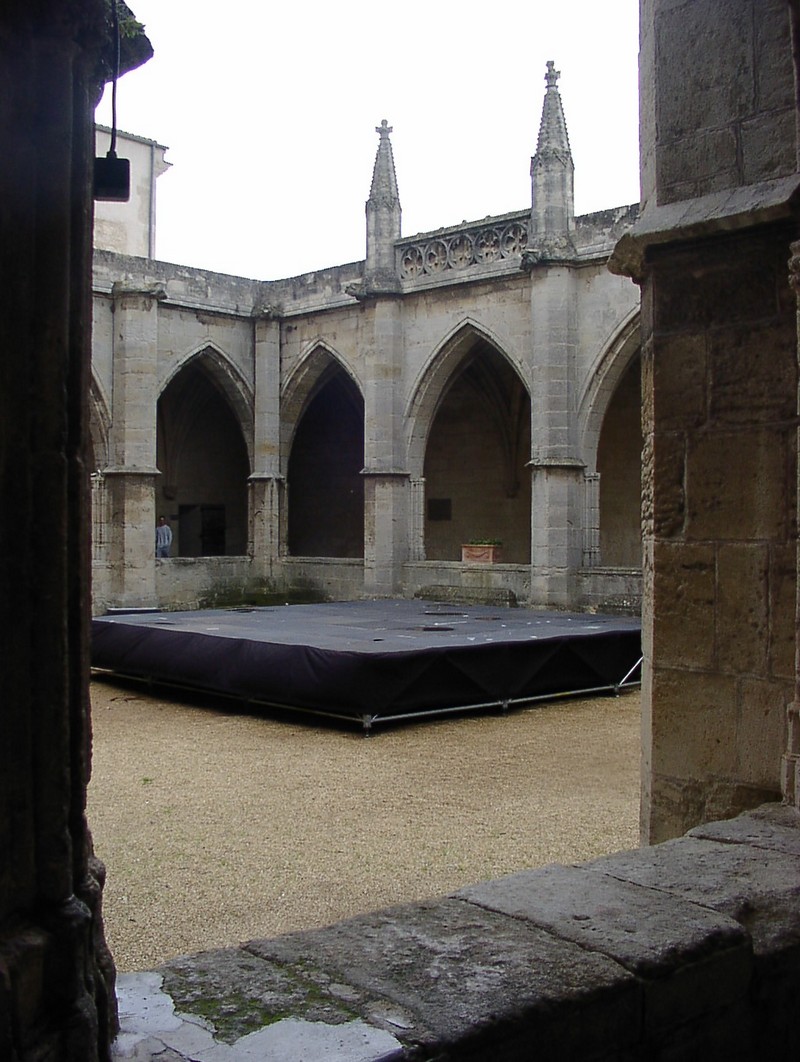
153	1031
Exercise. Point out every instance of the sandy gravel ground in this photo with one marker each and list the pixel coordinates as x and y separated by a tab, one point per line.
218	827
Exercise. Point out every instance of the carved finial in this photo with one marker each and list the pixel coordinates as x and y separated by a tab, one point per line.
552	75
383	129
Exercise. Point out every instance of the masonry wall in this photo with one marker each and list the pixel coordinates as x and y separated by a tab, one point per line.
719	402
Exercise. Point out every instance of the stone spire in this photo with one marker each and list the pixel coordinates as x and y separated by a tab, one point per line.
383	215
552	179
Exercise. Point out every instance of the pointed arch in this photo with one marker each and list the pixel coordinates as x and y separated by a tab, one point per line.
469	439
609	367
317	364
611	439
204	446
322	456
226	377
99	426
438	373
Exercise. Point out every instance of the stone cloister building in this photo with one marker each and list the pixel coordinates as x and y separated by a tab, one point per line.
715	254
343	432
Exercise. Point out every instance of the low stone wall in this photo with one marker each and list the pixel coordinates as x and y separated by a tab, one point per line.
491	584
335	578
610	589
200	582
682	951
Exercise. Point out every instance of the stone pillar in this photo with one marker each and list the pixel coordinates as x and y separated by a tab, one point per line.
557	489
132	473
266	480
417	520
591	521
56	975
386	493
790	762
719	393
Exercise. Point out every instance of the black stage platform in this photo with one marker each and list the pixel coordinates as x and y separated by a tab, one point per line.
374	661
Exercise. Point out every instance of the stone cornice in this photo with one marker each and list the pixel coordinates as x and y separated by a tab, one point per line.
732	210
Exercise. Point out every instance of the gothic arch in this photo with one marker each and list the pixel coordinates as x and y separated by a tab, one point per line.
469	438
204	447
610	432
219	368
318	363
322	456
99	426
602	380
435	378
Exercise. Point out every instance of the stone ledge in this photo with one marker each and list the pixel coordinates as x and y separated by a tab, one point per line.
710	215
684	950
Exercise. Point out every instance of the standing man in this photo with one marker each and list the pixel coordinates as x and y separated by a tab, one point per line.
163	537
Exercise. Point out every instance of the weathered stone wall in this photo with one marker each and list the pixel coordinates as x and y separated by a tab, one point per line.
719	405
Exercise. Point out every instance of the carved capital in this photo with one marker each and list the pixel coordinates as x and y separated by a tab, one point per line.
120	290
267	311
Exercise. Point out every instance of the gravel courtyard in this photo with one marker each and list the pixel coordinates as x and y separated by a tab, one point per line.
217	827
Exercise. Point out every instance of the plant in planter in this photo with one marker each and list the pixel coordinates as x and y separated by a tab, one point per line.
482	551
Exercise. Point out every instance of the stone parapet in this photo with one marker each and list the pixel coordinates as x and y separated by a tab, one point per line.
684	950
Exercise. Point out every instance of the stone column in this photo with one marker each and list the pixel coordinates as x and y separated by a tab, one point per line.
56	975
790	762
417	520
132	473
266	480
386	488
557	488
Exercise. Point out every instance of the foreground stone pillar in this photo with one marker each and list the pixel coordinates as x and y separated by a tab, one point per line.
719	388
56	976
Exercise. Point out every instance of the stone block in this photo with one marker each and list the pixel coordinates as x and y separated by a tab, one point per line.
679	383
691	959
773	827
697	712
753	371
753	503
760	730
742	611
722	91
774	68
472	982
782	596
767	143
708	156
684	587
760	890
668	483
725	285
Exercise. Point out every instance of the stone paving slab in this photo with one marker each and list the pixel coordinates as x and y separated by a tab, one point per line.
773	827
152	1031
685	953
449	972
757	887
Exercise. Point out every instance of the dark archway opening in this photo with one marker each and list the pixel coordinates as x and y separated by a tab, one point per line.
204	467
619	462
476	481
325	485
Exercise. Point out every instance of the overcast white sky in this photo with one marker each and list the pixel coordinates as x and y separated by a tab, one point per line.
269	112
